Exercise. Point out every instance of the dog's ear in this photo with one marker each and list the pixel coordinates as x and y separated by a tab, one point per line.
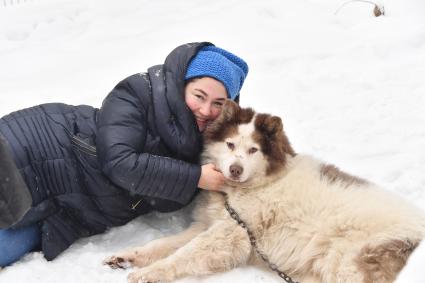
224	123
275	125
273	140
269	125
272	128
230	110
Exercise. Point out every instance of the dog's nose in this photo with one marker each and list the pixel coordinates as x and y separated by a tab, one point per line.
236	170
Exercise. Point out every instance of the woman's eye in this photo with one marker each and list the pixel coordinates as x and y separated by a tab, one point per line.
231	145
252	150
198	96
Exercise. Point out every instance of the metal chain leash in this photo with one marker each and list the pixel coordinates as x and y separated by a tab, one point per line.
253	241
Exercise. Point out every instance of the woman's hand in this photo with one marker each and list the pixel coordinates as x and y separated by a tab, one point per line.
211	178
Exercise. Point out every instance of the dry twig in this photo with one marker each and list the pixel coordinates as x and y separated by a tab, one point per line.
378	10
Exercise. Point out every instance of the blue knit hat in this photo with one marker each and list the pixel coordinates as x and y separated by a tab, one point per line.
220	64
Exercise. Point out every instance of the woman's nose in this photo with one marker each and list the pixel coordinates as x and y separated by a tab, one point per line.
205	109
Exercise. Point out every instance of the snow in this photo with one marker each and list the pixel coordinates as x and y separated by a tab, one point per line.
349	86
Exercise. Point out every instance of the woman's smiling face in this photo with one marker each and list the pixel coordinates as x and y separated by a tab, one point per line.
205	97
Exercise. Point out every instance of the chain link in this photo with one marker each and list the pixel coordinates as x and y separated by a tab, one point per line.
253	241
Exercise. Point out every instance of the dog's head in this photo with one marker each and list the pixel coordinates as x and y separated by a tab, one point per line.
246	146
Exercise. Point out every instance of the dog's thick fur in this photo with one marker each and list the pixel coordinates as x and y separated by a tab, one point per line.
315	222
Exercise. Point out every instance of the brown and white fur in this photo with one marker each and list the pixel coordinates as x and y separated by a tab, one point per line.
315	222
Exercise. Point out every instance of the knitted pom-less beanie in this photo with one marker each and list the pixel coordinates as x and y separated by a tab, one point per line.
221	65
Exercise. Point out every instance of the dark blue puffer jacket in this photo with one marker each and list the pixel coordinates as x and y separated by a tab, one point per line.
89	169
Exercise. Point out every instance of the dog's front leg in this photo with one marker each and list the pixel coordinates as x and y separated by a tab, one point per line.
155	250
222	247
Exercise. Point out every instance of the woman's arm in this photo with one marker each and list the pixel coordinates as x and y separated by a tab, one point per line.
121	140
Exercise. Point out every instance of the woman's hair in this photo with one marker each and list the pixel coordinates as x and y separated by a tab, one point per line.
236	99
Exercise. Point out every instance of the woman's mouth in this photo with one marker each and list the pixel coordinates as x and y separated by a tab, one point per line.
201	123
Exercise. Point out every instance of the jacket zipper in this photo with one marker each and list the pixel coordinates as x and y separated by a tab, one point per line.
87	148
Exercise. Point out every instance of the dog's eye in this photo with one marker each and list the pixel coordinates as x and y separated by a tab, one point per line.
252	150
231	145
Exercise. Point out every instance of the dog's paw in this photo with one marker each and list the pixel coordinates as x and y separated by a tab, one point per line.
118	262
157	273
141	276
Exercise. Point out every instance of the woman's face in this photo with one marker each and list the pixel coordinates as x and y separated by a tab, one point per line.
205	97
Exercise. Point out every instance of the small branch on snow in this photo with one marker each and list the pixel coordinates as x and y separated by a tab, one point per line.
378	10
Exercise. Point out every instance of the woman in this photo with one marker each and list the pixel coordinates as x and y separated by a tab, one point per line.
88	169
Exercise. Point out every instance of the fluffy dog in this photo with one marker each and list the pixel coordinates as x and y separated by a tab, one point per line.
313	221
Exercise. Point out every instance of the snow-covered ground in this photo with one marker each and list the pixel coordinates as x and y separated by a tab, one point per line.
349	86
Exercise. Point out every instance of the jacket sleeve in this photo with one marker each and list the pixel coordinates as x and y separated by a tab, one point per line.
121	139
15	198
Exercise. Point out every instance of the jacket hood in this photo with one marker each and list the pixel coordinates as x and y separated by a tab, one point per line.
176	123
